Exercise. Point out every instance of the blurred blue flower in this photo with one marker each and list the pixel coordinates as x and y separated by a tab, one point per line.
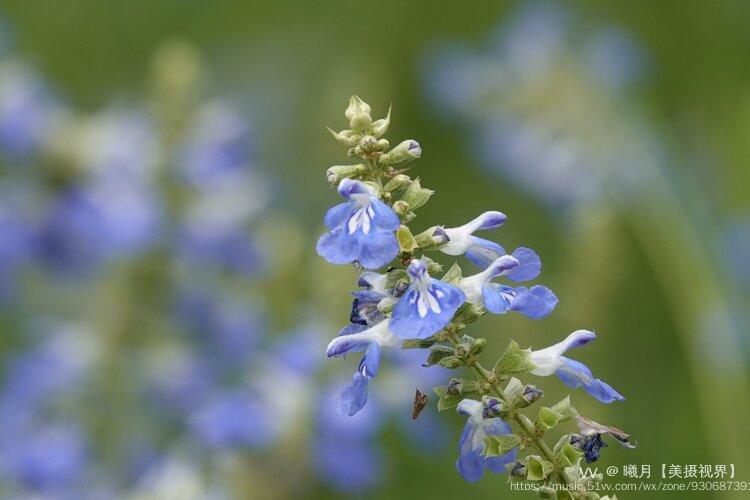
362	229
28	111
343	448
574	374
471	463
232	419
427	305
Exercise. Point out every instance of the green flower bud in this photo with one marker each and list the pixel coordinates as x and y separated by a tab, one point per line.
406	152
401	208
358	114
356	106
346	137
477	346
397	183
338	172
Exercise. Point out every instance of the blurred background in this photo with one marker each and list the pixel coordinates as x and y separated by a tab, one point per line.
164	314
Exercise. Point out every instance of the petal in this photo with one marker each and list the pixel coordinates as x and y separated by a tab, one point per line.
421	312
497	298
385	218
337	247
377	250
353	397
534	303
348	187
348	341
470	463
370	362
575	374
529	265
486	221
483	252
365	308
335	216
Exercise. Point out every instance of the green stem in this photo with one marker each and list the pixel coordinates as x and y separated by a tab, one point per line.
522	424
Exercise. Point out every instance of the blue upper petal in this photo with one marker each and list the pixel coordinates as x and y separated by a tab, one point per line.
535	303
336	216
420	313
529	265
353	397
575	374
343	345
483	252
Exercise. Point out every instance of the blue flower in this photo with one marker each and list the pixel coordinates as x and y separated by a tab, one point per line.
359	338
573	374
471	463
362	229
232	419
535	302
427	305
478	250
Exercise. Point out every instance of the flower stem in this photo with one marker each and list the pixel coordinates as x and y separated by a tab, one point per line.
522	424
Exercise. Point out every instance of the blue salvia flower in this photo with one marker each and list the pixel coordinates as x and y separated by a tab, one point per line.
471	464
427	305
361	229
461	239
574	374
344	452
232	419
535	302
359	338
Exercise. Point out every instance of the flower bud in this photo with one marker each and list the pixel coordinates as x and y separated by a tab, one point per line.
493	407
401	207
346	137
477	346
454	387
531	394
338	172
406	152
397	182
518	469
358	114
356	106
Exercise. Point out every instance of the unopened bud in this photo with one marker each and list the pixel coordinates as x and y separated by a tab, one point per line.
454	387
406	152
397	182
356	105
477	346
493	407
518	469
338	172
401	207
531	394
346	137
